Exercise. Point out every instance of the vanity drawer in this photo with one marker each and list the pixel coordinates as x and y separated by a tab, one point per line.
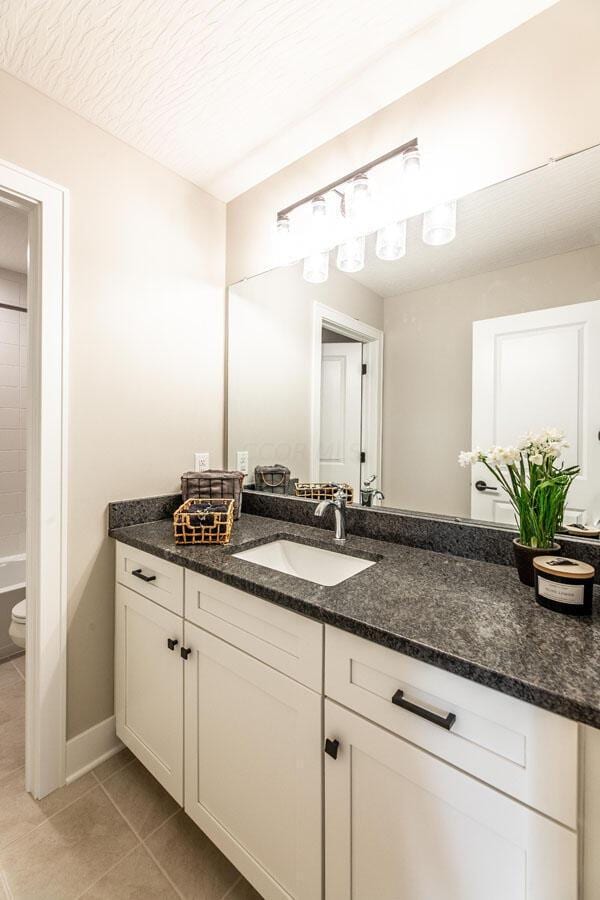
284	640
150	576
524	751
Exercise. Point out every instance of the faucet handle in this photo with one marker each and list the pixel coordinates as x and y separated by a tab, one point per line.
341	492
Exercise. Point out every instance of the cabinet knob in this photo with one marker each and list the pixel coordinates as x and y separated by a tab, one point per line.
185	652
172	643
331	747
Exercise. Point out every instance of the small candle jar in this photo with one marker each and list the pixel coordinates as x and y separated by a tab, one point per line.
564	585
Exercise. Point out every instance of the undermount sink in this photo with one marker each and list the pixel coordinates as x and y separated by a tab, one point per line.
311	563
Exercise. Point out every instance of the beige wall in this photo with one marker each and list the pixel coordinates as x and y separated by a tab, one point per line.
529	96
270	360
146	343
427	378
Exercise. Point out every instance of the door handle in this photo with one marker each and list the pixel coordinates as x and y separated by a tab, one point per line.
482	486
172	643
331	748
139	574
443	721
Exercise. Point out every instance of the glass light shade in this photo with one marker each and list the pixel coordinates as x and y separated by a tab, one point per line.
316	267
412	162
439	224
318	208
317	233
351	254
284	240
358	199
391	241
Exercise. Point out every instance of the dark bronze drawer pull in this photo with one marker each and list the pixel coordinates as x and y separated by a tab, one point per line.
139	574
443	721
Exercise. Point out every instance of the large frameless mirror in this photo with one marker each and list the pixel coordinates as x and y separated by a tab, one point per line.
379	378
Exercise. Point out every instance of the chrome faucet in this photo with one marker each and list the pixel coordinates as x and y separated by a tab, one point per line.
339	508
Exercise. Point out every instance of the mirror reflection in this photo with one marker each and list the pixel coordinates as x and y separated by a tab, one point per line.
381	377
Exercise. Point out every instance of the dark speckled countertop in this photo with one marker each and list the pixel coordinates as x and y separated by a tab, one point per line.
469	617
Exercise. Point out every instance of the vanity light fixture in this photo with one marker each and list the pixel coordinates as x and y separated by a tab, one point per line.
378	197
439	224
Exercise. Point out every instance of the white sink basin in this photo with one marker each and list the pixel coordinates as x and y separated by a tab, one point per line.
303	561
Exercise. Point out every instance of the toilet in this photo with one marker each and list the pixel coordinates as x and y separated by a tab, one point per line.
17	624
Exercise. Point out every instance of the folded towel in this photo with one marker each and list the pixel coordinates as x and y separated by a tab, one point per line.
202	513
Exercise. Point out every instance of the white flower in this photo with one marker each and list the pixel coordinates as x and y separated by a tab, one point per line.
536	458
510	455
525	441
468	458
495	456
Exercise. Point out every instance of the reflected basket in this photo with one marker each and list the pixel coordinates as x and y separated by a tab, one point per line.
204	520
323	491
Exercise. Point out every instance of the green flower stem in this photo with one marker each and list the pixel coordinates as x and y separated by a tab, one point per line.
538	495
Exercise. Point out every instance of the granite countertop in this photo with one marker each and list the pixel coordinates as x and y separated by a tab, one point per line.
472	618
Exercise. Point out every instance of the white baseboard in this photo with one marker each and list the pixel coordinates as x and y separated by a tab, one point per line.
91	747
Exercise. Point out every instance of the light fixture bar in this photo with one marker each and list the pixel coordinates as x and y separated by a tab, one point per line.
397	151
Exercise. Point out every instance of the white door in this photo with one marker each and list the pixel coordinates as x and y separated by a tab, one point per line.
530	371
253	770
341	405
403	825
149	686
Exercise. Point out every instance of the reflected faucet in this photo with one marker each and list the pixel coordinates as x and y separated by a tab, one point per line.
339	508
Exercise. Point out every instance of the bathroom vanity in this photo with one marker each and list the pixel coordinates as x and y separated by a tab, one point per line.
420	730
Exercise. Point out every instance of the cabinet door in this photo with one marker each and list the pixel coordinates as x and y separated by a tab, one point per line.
403	825
149	686
253	766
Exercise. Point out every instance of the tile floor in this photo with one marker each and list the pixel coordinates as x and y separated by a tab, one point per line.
114	834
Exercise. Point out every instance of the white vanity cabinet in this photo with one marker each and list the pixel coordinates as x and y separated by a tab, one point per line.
230	702
248	685
253	762
149	686
401	824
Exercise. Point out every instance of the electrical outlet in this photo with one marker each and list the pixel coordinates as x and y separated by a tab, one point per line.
201	461
242	461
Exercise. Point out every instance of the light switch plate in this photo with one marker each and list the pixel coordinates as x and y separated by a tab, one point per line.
242	461
201	461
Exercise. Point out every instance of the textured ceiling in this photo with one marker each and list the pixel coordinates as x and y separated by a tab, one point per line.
552	210
13	239
204	85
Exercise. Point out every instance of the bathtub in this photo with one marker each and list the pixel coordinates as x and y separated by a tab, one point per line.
12	589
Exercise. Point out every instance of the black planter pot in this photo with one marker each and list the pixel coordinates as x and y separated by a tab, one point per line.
524	557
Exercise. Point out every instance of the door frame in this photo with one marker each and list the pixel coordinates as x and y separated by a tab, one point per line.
47	207
372	402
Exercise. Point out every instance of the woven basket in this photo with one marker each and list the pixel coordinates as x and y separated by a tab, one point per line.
272	479
326	491
214	484
188	530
